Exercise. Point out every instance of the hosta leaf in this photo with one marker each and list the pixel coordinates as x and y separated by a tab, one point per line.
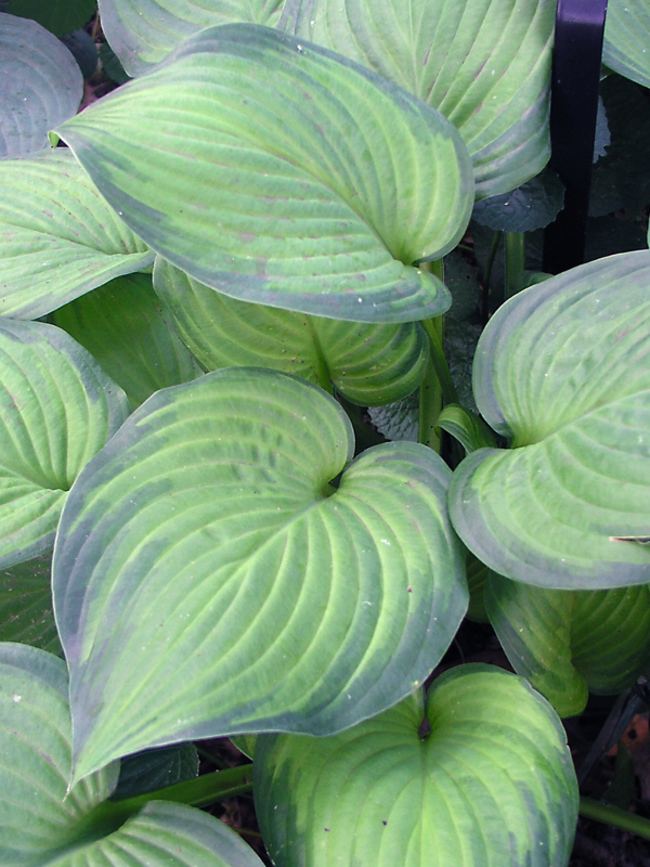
126	329
311	203
156	769
570	642
532	206
208	580
59	18
485	64
369	364
492	784
26	613
57	409
37	815
143	32
43	823
627	32
563	370
58	237
41	85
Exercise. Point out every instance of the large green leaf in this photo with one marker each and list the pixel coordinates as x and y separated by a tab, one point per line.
41	85
42	823
57	409
314	187
627	34
26	613
485	64
60	17
369	364
58	237
209	580
143	32
126	329
563	371
569	642
492	784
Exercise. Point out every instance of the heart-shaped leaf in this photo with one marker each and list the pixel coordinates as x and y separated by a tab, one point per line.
143	34
126	329
625	46
311	203
57	409
491	784
485	64
208	579
58	237
571	642
26	613
369	364
43	823
563	370
41	85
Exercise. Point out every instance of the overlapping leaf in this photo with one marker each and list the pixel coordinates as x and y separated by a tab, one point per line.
43	823
126	329
314	187
26	613
41	85
563	370
143	32
369	364
209	580
57	409
627	34
492	784
485	64
58	237
569	643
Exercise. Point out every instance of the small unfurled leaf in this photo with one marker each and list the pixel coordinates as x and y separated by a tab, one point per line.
42	85
58	237
563	371
296	193
492	783
209	580
57	409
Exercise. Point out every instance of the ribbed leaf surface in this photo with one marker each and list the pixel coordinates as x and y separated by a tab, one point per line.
491	785
563	369
26	613
209	580
369	364
485	64
36	815
627	35
570	642
57	409
127	330
143	32
58	237
41	823
314	187
41	85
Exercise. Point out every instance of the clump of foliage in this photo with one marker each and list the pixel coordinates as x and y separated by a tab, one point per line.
233	254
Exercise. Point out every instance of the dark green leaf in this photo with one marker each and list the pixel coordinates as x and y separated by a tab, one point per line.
58	16
531	206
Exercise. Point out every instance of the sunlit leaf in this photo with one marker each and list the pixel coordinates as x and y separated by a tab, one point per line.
209	580
492	784
298	192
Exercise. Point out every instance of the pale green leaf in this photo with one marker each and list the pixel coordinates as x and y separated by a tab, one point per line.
127	330
563	371
315	187
626	45
485	64
58	237
570	642
492	784
57	409
143	32
209	580
368	364
41	85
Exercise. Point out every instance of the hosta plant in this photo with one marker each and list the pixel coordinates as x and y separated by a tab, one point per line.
222	264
